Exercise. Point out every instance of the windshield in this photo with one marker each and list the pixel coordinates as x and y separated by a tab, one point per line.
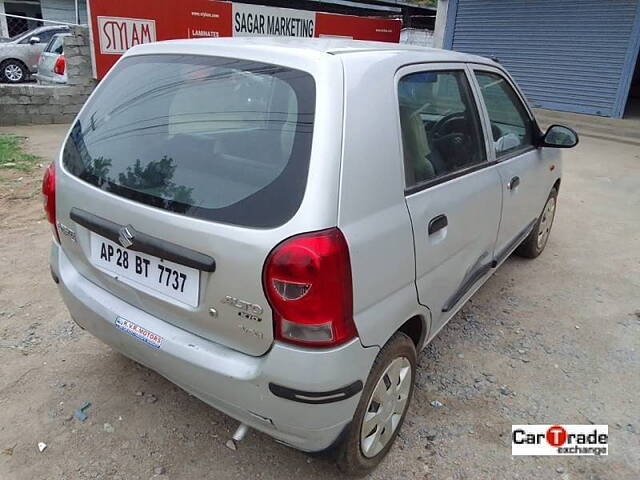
214	138
25	35
56	44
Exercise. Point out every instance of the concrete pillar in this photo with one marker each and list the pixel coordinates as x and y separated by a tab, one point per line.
4	28
441	22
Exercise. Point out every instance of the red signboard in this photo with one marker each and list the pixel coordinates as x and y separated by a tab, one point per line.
118	26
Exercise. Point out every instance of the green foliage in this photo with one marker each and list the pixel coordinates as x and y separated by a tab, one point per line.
12	155
426	3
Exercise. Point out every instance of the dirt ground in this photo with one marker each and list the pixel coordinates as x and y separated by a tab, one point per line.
554	340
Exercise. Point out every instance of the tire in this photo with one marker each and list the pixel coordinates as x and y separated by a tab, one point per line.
357	456
534	244
13	71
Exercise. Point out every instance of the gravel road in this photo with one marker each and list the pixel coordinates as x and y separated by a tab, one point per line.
554	340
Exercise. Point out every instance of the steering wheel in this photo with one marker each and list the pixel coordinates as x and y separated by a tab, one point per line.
451	140
445	126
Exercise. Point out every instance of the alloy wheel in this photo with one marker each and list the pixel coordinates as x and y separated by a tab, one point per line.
13	72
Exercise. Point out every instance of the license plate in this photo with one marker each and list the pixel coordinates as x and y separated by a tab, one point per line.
162	276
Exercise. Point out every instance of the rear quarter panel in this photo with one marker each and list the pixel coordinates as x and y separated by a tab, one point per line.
372	210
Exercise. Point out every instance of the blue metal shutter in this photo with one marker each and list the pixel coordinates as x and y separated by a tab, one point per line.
571	55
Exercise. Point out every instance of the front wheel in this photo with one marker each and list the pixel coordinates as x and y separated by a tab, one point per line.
382	408
13	71
534	244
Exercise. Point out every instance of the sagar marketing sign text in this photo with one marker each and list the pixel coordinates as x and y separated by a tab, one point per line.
118	26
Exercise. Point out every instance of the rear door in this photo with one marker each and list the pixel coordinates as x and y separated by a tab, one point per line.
520	163
174	181
452	189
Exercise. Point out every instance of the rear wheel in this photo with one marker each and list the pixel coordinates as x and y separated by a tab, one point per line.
534	244
382	408
13	71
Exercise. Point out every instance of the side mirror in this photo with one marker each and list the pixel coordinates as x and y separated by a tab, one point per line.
559	136
33	40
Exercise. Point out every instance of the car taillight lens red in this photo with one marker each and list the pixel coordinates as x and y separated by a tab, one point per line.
49	197
307	280
60	65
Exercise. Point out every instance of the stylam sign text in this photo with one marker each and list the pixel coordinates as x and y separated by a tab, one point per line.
118	34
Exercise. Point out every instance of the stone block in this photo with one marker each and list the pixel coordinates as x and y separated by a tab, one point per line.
51	109
14	109
71	51
72	109
66	118
77	60
42	119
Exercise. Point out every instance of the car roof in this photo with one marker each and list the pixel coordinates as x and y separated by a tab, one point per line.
44	28
326	45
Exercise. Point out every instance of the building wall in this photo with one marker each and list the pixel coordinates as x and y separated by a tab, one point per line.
16	26
415	36
4	31
63	10
570	55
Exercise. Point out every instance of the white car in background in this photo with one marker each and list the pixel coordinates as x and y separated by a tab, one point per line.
52	66
19	55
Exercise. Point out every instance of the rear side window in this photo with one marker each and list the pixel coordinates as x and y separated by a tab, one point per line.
214	138
441	134
56	45
511	127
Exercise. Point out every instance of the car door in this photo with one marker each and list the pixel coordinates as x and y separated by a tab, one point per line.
453	190
520	163
32	51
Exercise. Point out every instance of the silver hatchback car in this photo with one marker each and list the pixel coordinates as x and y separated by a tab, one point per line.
278	226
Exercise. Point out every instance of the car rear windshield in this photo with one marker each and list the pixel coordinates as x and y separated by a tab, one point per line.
220	139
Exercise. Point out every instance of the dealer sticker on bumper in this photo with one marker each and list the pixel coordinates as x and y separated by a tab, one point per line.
139	333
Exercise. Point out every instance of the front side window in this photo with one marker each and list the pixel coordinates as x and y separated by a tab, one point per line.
441	132
215	138
511	127
43	35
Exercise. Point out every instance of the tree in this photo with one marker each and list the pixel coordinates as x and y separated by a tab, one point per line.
426	3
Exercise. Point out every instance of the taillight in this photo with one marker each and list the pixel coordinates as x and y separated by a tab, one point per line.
49	197
60	65
307	280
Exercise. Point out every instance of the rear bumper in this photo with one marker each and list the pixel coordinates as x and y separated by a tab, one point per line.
232	382
50	79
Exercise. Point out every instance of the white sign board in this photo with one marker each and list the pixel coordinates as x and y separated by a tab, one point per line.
118	34
256	20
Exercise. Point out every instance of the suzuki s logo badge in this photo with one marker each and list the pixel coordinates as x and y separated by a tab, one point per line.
126	236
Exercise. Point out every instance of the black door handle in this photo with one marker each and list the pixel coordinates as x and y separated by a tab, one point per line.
513	183
437	223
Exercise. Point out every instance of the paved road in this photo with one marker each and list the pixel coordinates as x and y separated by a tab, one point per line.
551	340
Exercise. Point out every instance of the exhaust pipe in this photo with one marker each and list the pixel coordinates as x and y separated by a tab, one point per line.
239	434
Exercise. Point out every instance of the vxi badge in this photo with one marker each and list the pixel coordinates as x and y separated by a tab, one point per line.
560	440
